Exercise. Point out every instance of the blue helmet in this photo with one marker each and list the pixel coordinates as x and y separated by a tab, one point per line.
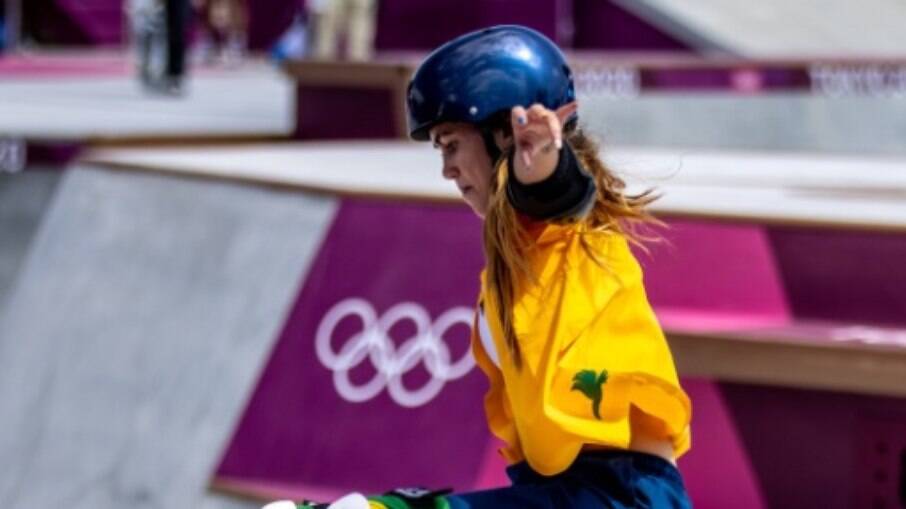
478	74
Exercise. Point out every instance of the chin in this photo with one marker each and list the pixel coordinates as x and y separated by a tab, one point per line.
479	211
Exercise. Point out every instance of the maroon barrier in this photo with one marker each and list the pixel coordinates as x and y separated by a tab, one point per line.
850	276
50	154
599	24
416	24
18	154
268	19
602	24
336	112
99	22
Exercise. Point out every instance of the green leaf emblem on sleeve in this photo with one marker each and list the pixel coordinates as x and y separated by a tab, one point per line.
591	384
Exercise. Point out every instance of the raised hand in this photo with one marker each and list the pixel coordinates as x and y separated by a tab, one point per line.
538	136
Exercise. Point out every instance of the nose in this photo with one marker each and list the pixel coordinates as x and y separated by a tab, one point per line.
449	171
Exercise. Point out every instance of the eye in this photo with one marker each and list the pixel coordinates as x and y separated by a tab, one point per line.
450	148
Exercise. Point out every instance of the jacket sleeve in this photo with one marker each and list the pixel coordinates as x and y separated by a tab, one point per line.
568	193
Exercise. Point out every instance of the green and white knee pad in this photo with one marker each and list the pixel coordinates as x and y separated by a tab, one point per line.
403	498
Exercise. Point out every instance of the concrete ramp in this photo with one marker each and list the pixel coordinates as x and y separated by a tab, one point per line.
776	28
93	96
771	122
23	199
142	314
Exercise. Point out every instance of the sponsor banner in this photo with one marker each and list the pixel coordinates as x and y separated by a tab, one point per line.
371	384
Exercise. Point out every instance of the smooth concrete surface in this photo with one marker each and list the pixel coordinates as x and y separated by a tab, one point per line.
864	192
771	28
142	315
255	99
776	122
23	199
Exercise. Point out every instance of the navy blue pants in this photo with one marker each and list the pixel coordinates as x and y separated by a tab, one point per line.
598	479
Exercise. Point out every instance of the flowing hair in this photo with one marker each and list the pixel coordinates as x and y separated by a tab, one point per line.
507	242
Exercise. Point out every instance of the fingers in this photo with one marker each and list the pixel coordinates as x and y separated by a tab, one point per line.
538	129
518	117
566	111
541	116
537	124
527	155
553	124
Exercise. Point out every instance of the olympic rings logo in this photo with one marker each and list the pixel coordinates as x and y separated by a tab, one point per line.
373	343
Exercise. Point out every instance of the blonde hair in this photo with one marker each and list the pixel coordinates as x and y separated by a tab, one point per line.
506	242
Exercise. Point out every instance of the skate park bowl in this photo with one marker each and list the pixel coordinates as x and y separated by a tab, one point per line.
178	279
179	292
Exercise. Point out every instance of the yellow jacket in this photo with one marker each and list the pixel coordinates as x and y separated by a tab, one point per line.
591	348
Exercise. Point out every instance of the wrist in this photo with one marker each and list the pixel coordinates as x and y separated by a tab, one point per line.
541	167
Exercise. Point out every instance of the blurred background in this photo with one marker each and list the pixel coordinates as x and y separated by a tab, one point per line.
203	205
